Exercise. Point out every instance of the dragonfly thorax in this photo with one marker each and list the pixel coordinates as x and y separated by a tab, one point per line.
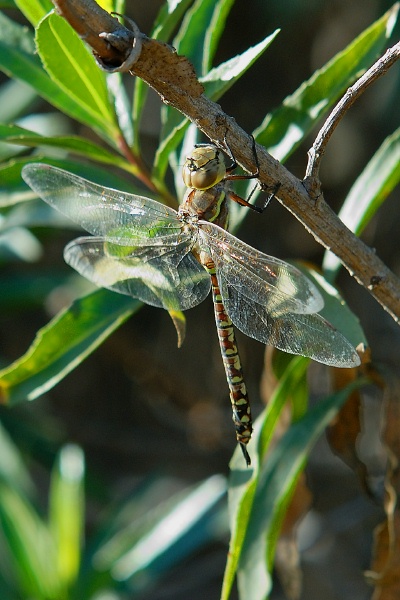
204	167
209	205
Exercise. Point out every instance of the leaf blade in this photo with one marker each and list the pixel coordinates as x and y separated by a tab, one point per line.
276	484
63	343
283	129
367	194
74	70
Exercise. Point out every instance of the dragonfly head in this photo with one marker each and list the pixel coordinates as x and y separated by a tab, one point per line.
204	167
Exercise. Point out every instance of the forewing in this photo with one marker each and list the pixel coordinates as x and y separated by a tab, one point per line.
305	334
173	280
122	218
276	285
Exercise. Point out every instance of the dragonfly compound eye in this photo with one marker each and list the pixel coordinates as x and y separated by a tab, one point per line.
204	167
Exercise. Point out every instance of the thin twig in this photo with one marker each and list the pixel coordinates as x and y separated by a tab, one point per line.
173	78
379	68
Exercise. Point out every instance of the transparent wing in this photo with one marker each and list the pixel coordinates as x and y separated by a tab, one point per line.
305	334
261	278
273	302
122	218
172	280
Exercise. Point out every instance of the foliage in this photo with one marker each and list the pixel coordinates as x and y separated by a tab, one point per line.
47	556
55	65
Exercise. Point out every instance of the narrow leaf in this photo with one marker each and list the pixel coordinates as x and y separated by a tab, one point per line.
277	481
19	60
74	69
63	343
185	524
168	17
67	512
34	10
243	482
214	31
30	547
221	78
190	40
369	191
284	128
71	143
216	83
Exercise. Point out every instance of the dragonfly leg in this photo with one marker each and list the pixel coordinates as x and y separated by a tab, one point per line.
234	164
241	412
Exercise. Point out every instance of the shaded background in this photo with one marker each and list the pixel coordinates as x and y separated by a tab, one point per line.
139	404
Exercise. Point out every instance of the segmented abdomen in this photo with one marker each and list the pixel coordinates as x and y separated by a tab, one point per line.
233	368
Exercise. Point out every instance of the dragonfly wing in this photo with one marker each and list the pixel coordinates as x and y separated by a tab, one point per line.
305	334
173	280
272	301
125	219
273	282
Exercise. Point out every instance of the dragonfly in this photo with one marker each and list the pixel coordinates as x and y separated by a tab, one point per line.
172	259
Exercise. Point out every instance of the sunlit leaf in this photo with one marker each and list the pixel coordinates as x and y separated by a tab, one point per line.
216	83
168	17
172	531
30	547
67	511
369	191
63	344
282	130
75	70
276	483
20	136
34	10
243	481
19	60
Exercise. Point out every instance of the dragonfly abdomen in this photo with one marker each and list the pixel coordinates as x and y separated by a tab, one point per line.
241	412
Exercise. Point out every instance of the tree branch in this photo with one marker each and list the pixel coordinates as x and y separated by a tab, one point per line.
173	78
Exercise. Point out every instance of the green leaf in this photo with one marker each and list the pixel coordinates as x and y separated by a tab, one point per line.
221	78
20	136
122	105
30	546
67	512
34	10
216	83
155	539
191	38
13	472
14	190
335	309
15	98
284	128
19	60
275	487
243	481
195	33
169	15
75	71
214	31
369	191
63	343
